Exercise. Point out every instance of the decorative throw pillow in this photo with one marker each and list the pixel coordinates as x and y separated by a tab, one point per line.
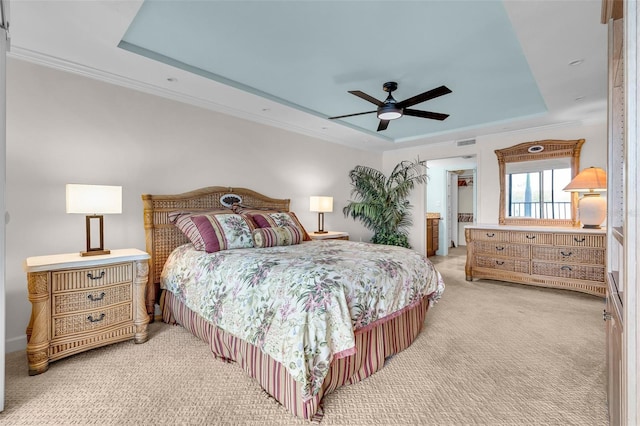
278	236
215	231
275	219
174	215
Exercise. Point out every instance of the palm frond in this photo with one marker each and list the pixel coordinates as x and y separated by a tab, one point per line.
380	202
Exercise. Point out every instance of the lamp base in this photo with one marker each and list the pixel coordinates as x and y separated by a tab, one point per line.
94	252
592	210
321	232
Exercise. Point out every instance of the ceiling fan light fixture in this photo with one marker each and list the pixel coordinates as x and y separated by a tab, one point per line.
389	112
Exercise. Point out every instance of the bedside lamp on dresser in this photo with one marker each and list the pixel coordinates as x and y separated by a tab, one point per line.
321	205
592	208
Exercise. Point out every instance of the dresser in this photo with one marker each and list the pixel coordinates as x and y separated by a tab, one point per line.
558	257
433	225
79	303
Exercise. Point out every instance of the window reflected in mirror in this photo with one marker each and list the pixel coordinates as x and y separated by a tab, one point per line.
532	178
539	194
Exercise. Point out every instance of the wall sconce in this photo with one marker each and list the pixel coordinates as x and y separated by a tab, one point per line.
592	208
321	205
94	201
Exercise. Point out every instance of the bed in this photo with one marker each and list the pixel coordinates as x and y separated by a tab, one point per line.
301	317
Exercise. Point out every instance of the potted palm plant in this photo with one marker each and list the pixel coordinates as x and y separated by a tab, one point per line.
380	202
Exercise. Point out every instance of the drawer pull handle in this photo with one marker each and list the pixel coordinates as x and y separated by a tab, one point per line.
498	262
530	237
91	319
565	254
579	240
96	299
566	268
499	248
491	235
90	275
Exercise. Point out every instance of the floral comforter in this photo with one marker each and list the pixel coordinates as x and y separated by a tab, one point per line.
301	304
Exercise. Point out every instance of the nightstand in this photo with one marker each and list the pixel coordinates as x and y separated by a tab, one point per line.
80	303
329	235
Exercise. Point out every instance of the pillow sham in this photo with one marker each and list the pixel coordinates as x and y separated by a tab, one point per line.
216	231
266	214
276	236
276	219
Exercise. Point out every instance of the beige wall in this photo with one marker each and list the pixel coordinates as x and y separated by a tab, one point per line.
63	128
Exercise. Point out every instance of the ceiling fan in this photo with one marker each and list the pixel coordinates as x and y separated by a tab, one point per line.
391	109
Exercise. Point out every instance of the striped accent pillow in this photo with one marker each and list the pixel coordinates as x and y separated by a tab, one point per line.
278	236
275	219
215	231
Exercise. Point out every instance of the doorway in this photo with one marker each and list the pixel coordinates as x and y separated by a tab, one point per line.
450	196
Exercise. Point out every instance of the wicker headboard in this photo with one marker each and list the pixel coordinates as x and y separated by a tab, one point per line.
162	237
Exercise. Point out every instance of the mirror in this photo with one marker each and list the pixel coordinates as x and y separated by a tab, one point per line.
532	175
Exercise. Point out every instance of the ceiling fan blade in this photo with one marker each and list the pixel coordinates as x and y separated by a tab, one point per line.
431	94
366	97
351	115
425	114
383	125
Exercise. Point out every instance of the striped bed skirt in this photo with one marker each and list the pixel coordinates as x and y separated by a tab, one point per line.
373	346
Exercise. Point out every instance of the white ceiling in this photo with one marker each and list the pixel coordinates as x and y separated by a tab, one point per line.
306	59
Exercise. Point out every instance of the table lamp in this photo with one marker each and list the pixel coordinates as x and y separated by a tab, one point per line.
592	207
94	201
321	205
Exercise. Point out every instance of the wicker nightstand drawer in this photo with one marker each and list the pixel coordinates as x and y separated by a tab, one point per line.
91	299
92	320
79	279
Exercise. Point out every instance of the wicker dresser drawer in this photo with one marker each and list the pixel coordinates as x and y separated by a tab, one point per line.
581	240
92	320
531	237
91	299
501	249
578	272
489	235
511	265
78	279
570	255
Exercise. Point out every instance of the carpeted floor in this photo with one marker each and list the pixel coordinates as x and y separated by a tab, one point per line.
490	354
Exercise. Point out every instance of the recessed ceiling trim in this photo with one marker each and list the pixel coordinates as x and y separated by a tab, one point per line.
223	80
111	78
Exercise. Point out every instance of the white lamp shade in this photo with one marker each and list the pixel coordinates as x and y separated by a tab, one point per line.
321	204
94	199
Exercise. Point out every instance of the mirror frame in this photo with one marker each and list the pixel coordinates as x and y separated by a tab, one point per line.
551	148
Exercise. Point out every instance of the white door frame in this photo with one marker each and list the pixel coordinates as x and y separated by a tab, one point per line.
4	47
